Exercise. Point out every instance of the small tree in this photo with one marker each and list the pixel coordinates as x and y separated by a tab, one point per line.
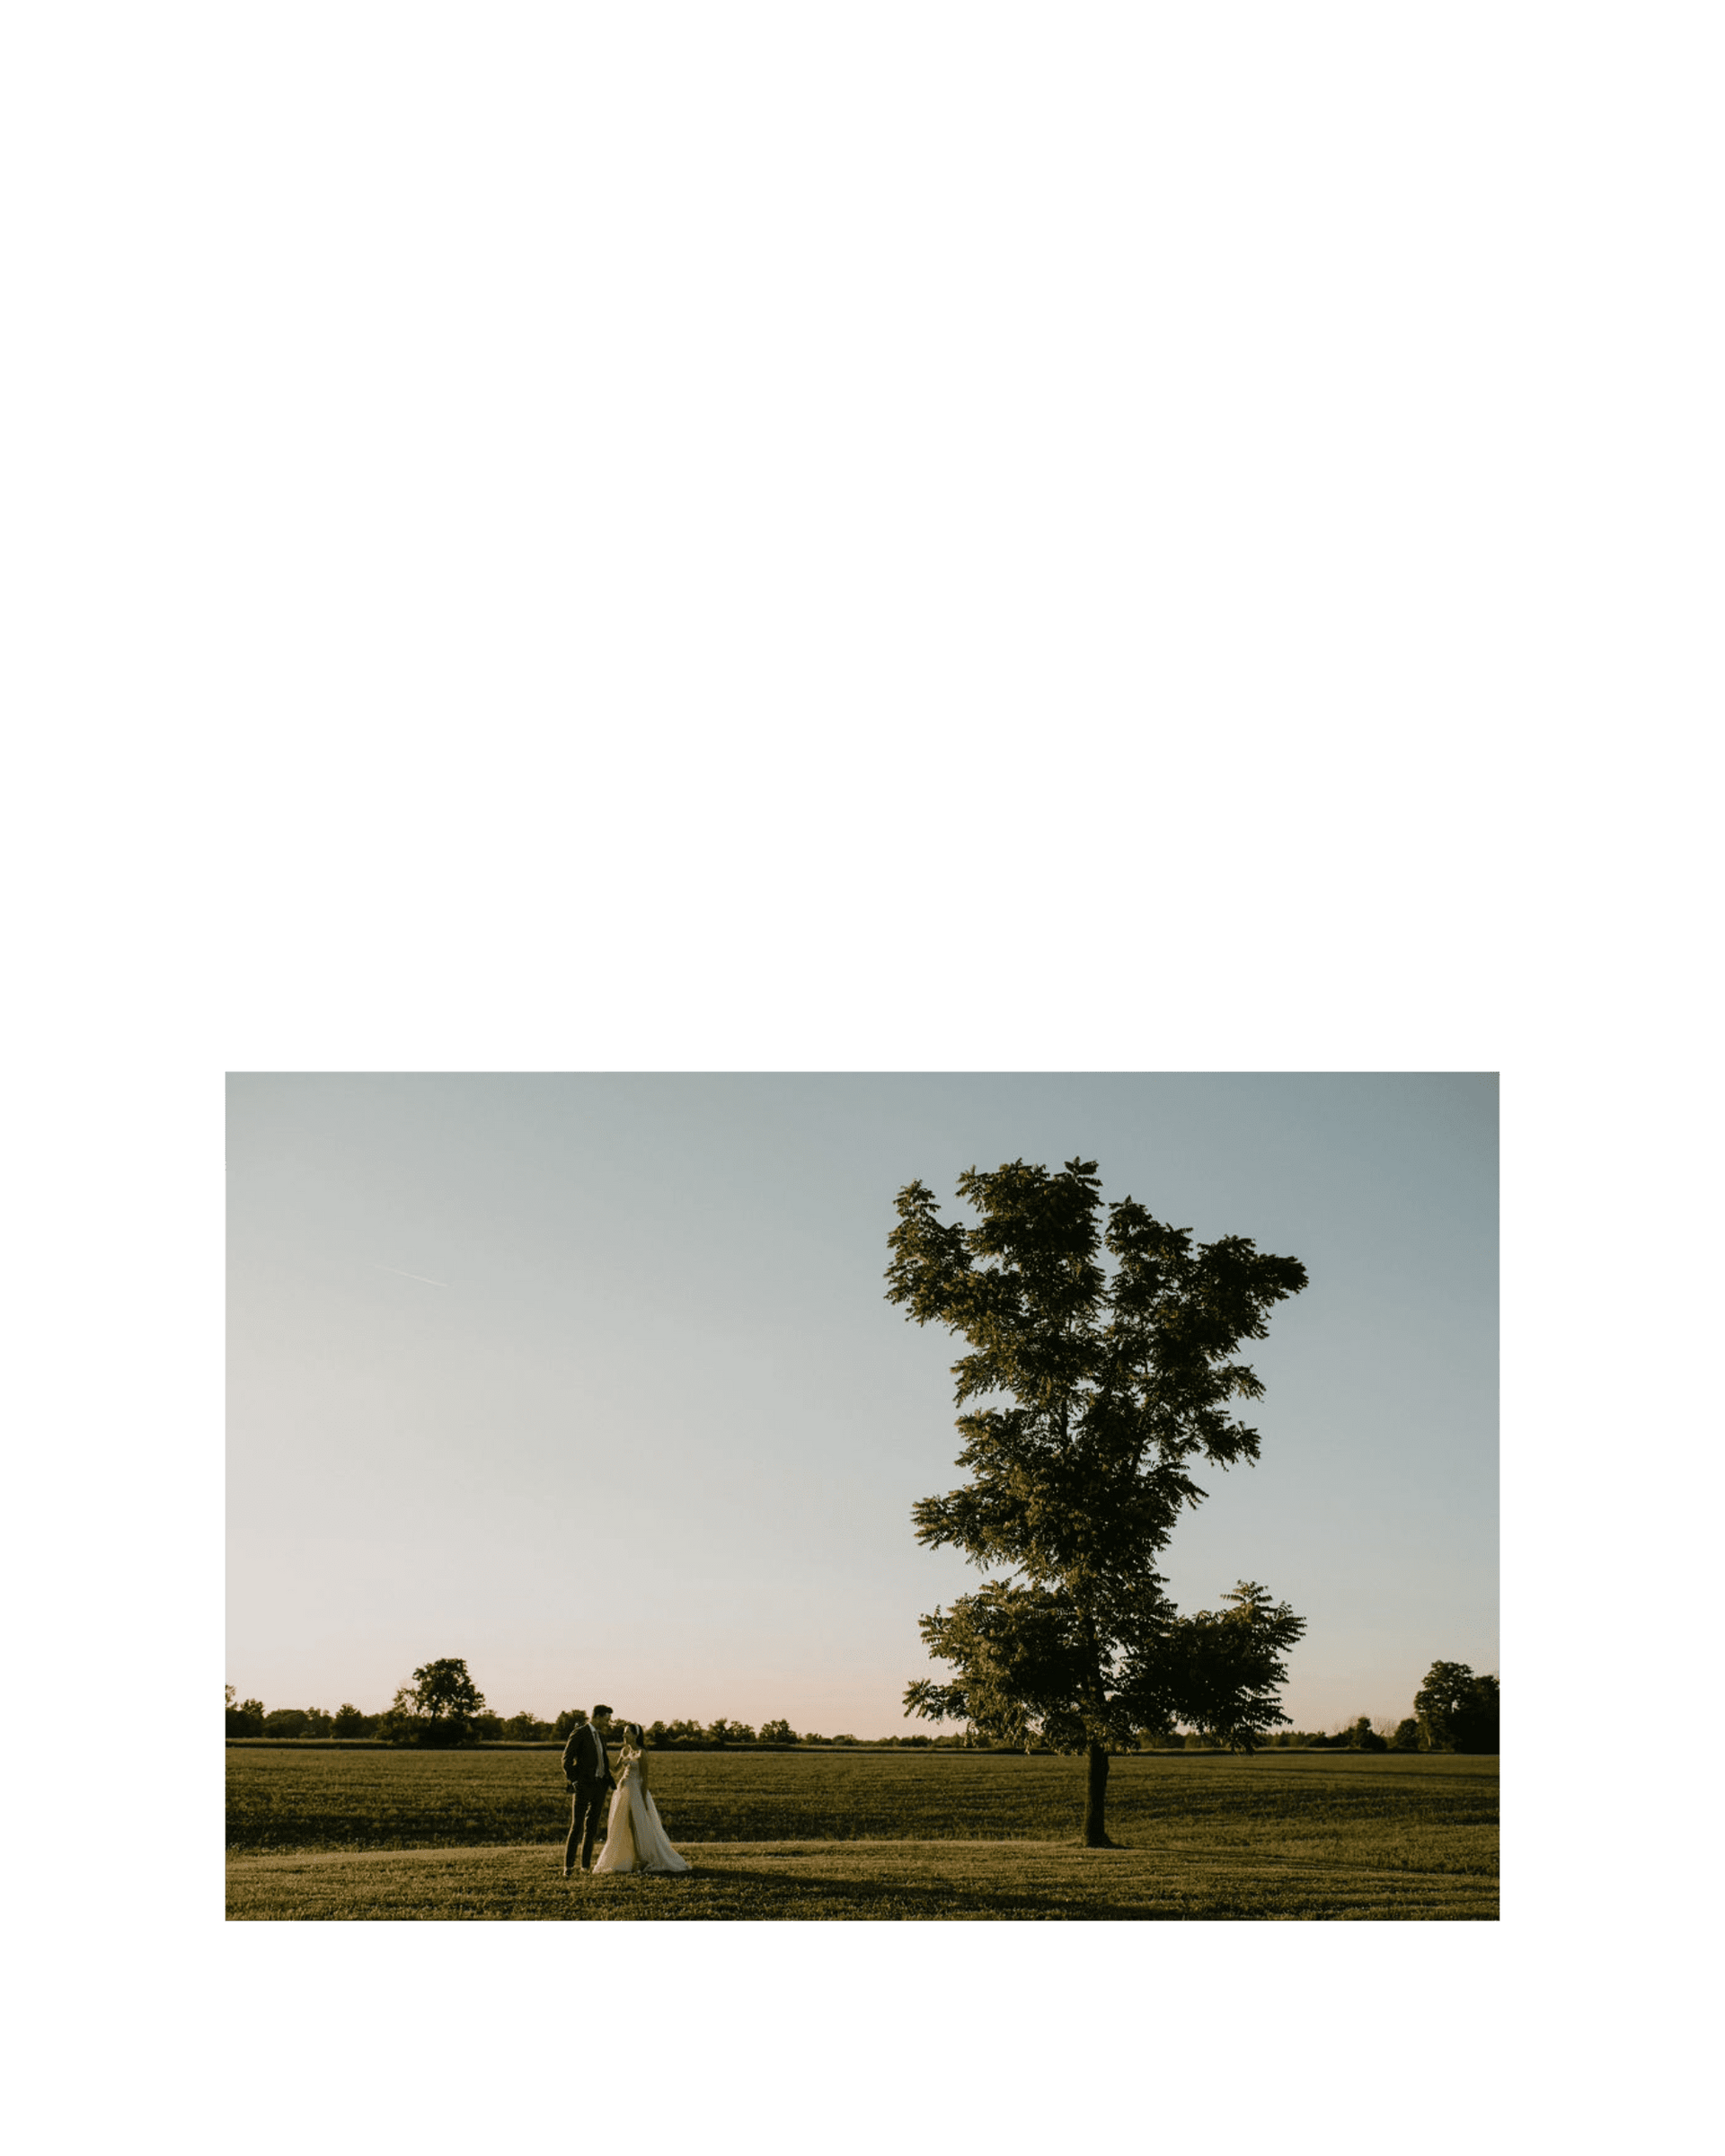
1457	1711
435	1707
777	1733
444	1690
350	1722
726	1732
246	1719
1114	1383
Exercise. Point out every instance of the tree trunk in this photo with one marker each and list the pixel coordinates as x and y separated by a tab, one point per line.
1095	1796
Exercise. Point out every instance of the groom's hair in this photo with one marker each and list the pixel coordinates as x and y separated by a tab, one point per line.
601	1713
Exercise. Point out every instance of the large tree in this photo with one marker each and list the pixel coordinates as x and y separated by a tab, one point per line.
1091	1388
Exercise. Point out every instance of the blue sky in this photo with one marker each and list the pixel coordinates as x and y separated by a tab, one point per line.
590	1379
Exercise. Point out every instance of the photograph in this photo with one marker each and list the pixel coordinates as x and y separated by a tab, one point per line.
861	870
799	1497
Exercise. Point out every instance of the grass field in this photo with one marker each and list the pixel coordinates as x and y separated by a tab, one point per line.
335	1835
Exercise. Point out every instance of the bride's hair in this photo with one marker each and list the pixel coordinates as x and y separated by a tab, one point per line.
632	1732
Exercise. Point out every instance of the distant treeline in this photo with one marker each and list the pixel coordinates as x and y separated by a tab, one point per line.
249	1718
1454	1712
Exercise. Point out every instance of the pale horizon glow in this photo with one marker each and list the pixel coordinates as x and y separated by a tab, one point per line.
655	1437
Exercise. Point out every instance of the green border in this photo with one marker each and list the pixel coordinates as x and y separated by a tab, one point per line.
1008	537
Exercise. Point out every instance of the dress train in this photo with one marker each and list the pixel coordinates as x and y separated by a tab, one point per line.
634	1838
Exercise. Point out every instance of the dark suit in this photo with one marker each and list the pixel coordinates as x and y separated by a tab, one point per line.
587	1773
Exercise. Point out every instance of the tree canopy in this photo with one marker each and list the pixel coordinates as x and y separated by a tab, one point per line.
1100	1372
437	1707
1457	1711
441	1690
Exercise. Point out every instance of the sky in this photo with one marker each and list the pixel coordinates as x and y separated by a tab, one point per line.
590	1379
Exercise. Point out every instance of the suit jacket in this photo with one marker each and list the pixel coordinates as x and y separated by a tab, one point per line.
585	1755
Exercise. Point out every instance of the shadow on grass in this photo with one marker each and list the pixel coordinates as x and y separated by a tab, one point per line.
1091	1886
888	1883
893	1900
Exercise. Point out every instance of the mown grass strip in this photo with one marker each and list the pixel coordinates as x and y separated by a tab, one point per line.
893	1880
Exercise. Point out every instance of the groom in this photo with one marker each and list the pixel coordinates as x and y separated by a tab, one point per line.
587	1773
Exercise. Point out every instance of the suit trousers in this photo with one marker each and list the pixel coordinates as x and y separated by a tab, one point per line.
586	1807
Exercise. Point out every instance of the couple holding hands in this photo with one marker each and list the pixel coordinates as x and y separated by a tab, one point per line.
634	1840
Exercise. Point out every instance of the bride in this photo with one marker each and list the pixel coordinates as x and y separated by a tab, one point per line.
633	1836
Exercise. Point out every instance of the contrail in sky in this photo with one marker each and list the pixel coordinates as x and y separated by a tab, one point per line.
400	1275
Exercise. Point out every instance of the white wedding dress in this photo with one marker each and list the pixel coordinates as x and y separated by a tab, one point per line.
633	1836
